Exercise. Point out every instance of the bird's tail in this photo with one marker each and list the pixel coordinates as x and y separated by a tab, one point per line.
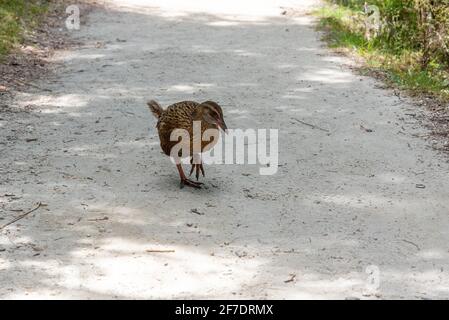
155	108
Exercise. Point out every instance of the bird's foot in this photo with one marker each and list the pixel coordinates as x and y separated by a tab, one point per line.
190	183
198	167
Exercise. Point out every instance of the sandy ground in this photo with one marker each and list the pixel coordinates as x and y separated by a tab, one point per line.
342	200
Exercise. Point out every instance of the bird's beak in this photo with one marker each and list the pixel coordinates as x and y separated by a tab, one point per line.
223	126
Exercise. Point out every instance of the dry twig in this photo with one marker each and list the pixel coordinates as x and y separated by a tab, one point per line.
21	216
310	125
159	251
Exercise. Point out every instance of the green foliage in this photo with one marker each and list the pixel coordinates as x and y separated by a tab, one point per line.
412	44
17	16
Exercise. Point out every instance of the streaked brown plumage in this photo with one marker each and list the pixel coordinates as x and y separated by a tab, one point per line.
182	115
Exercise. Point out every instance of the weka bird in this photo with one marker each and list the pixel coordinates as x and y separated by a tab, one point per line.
182	115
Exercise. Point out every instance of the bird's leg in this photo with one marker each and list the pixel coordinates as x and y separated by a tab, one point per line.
202	169
193	166
185	181
197	164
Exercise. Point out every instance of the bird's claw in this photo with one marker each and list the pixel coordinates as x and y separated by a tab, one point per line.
190	183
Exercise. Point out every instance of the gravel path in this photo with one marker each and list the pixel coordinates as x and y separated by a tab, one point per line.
365	192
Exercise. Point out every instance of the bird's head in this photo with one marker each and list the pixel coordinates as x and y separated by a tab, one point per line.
212	113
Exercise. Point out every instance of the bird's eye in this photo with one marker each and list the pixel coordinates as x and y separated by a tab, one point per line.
215	115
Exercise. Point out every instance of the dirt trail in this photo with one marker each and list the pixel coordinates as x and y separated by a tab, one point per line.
341	201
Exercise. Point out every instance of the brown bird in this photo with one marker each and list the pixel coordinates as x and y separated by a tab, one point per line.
182	115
